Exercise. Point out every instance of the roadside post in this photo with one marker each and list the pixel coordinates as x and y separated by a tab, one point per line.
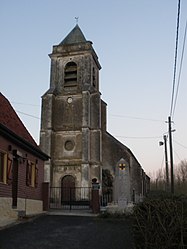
95	196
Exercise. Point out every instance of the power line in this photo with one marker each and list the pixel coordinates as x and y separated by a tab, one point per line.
185	147
113	115
177	156
131	117
28	114
175	60
172	101
156	137
180	69
19	103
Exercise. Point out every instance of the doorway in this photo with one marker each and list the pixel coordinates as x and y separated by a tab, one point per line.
67	189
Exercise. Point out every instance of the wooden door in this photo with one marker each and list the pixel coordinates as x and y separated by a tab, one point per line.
68	189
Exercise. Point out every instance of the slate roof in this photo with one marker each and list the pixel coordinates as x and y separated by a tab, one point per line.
10	120
75	36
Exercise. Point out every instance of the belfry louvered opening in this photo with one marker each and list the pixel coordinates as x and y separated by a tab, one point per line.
70	74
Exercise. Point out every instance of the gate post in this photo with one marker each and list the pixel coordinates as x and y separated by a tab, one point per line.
95	197
45	195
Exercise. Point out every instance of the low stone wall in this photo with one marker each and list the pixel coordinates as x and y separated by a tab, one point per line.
6	208
30	206
26	206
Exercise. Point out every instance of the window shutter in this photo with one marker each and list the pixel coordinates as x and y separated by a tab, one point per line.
36	177
9	170
28	173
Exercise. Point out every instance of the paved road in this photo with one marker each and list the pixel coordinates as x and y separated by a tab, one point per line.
68	232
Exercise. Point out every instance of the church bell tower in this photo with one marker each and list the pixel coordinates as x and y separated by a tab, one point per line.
71	113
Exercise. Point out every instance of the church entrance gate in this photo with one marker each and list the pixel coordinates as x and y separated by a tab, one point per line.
69	197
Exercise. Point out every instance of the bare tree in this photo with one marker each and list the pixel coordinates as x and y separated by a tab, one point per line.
158	182
181	177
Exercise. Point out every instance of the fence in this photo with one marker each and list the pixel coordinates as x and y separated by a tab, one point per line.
106	197
70	198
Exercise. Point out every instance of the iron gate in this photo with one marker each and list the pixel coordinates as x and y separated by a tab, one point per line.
106	197
70	198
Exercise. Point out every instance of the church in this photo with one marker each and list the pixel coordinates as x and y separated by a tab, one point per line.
74	125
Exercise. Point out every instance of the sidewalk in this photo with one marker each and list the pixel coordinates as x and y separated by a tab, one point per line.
7	221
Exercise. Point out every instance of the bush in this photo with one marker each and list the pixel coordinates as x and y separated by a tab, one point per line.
161	222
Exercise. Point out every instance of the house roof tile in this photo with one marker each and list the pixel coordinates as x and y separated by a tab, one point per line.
10	119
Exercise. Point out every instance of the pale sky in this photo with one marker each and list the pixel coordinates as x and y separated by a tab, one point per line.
135	43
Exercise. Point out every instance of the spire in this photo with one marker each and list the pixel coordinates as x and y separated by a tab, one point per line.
75	36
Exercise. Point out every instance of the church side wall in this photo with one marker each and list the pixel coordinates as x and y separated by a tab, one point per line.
113	151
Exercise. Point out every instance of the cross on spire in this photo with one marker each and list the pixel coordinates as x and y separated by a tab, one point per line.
77	20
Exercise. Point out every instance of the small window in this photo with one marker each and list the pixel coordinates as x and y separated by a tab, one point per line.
3	167
70	74
31	174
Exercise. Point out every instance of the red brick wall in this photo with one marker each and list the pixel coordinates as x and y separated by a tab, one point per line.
5	190
24	191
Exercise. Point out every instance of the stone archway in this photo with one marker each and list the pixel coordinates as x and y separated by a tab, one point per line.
67	188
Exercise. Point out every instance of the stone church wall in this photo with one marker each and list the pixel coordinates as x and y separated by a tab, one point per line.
95	111
67	116
113	151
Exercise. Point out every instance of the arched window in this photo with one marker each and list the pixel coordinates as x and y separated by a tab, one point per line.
70	74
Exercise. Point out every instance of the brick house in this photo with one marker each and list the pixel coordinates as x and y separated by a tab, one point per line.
21	166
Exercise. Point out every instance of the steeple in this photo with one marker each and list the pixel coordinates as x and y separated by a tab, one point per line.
71	112
75	36
74	65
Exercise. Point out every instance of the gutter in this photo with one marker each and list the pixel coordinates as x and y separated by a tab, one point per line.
4	131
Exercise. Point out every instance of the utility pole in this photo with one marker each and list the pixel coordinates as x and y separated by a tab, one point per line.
166	163
171	155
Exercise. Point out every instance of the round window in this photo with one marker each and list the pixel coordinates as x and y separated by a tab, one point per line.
69	145
69	100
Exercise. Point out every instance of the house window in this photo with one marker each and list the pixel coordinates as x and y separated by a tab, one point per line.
31	174
70	74
3	167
